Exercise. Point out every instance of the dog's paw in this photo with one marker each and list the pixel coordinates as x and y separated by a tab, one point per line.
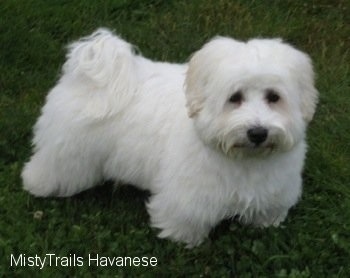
177	224
184	234
36	181
271	218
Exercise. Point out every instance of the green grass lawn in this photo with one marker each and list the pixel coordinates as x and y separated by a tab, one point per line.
315	239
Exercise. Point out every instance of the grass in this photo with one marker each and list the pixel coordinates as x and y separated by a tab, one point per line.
315	239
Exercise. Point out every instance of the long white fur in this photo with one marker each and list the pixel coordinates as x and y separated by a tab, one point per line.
170	129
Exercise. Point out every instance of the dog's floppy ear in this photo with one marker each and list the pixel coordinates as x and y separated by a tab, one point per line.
205	69
194	84
202	67
308	92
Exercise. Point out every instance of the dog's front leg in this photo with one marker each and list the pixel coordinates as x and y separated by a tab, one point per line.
179	219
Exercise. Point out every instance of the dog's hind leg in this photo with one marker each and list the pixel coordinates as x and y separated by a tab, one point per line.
70	137
55	171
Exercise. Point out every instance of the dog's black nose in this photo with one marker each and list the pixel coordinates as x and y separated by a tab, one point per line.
257	135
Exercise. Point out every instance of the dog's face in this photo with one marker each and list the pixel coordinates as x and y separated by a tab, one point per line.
250	98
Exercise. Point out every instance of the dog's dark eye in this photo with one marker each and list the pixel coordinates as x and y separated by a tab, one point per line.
236	98
272	96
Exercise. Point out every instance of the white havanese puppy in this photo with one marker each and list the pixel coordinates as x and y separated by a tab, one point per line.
221	136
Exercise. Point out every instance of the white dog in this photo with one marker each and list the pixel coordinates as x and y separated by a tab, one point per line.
221	136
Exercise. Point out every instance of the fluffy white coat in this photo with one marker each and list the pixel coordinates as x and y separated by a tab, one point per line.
180	130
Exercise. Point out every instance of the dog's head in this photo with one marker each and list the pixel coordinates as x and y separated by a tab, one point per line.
254	97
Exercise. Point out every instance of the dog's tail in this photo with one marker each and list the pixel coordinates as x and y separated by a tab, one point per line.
102	69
